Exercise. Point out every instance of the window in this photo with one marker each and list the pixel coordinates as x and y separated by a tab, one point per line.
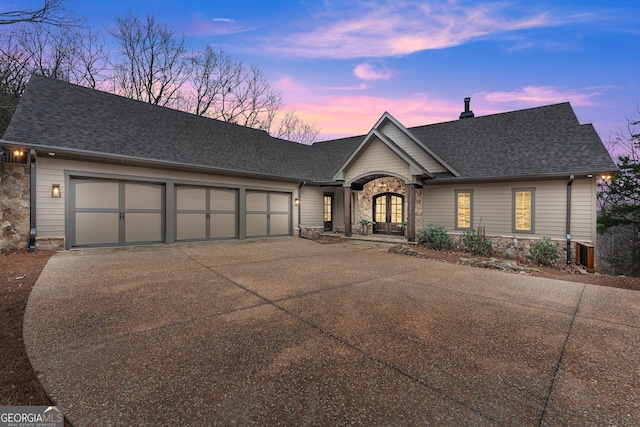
464	207
328	202
396	209
381	209
523	210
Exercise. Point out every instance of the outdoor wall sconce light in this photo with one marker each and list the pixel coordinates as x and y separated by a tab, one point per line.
55	190
296	201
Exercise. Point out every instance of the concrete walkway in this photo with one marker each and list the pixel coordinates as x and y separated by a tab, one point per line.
292	332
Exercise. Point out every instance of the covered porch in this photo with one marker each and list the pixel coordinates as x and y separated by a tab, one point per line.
387	206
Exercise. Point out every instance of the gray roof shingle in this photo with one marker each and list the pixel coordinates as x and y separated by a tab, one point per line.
58	115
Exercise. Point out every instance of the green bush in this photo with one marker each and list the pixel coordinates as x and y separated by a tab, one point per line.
434	237
544	252
477	243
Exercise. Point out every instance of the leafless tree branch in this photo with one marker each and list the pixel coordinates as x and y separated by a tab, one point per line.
152	65
52	12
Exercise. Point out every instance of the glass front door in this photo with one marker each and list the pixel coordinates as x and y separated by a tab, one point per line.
388	212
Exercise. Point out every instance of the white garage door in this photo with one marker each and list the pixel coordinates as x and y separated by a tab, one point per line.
268	214
206	213
110	213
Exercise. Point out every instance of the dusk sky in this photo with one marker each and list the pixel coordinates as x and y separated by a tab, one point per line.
342	64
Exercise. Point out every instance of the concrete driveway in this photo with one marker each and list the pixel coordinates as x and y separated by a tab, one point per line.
292	332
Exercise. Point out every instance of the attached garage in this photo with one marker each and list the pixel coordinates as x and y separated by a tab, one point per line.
110	212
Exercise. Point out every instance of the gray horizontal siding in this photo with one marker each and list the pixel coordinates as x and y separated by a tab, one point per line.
492	208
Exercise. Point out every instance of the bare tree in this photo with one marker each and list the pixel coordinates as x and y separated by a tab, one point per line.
214	76
152	65
292	128
51	13
91	61
51	52
226	89
64	53
15	69
256	101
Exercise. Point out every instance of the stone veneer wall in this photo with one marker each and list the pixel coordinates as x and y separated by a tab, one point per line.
518	248
15	206
384	185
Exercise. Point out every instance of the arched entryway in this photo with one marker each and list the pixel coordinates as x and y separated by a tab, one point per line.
386	199
388	213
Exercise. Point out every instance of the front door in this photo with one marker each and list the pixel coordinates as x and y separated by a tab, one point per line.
388	213
328	212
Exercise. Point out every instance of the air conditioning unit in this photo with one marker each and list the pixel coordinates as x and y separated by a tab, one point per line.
585	256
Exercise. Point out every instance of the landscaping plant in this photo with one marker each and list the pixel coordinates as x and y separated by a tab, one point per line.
544	252
434	237
477	243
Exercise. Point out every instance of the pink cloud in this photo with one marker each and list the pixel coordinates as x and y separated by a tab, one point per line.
201	26
291	87
543	95
400	28
342	116
371	71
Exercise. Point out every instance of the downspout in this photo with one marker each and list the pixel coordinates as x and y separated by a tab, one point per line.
299	208
32	201
569	219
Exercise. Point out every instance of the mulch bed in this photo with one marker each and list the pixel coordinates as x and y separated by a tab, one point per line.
559	271
19	385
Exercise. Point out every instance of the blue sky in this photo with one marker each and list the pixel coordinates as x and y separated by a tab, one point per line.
342	64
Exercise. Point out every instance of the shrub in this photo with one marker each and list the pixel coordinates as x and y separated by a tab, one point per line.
434	237
477	243
544	252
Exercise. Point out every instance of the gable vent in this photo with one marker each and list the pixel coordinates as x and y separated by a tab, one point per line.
467	113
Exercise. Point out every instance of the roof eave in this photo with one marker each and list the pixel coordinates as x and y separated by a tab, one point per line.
513	178
143	162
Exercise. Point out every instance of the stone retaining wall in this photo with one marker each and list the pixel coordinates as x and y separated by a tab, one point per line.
14	206
310	233
518	248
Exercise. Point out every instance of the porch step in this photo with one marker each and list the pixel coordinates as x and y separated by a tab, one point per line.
371	238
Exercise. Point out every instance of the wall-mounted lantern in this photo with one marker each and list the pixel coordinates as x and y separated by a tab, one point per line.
296	201
55	190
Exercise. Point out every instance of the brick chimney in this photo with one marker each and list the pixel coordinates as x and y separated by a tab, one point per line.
467	113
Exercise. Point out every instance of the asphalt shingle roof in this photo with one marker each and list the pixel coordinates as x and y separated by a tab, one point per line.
54	114
545	140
